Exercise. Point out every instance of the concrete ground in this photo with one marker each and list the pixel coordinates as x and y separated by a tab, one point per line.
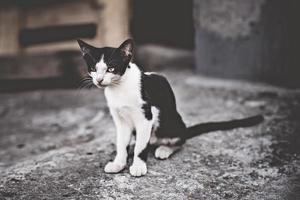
54	145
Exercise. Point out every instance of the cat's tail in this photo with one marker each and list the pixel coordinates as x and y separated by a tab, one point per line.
224	125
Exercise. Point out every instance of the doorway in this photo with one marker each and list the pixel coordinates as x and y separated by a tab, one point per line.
167	22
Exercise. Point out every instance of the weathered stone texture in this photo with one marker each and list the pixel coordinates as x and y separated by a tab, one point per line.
54	145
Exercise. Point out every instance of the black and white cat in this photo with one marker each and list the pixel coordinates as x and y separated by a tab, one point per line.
142	103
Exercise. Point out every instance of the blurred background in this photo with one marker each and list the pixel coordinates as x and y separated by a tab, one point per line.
252	40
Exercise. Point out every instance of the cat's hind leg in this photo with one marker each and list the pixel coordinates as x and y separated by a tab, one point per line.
164	151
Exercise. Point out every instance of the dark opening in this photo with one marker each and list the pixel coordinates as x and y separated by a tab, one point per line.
167	22
29	36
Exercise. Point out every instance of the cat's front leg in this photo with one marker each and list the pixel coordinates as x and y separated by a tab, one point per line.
143	133
124	131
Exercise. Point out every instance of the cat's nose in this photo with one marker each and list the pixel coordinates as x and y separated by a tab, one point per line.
99	80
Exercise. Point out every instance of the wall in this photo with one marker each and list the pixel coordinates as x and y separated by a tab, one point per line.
252	40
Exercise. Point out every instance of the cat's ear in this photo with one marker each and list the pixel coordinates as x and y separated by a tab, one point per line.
126	49
85	48
89	54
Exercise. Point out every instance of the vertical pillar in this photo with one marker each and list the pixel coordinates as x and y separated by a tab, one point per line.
9	30
115	18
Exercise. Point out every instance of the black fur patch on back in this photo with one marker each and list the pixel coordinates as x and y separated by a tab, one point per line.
156	91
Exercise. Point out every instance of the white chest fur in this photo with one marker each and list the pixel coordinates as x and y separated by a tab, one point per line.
128	93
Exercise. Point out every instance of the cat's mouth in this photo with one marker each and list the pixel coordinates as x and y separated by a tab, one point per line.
99	85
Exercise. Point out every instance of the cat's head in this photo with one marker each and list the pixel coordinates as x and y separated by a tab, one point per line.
107	65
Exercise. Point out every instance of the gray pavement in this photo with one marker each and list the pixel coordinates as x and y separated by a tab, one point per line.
54	145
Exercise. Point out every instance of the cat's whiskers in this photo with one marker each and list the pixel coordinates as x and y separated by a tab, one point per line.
86	78
91	85
115	83
86	82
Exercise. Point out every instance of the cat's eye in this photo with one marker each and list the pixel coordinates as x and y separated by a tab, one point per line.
111	69
93	69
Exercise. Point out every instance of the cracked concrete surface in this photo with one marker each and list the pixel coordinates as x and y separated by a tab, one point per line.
54	145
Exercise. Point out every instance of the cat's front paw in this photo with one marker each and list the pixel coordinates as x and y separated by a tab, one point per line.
113	167
138	169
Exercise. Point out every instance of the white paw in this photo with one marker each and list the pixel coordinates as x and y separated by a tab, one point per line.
138	169
163	152
114	167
